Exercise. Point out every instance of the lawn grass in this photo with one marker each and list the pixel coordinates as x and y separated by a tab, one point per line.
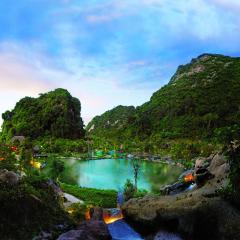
92	196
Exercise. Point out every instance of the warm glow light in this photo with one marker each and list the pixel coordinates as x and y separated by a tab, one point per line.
107	217
189	178
35	164
70	211
87	215
2	158
110	219
14	149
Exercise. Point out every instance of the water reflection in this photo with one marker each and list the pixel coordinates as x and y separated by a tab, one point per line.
113	173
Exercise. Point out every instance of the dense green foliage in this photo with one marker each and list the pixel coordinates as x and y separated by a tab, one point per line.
61	146
27	208
54	114
130	191
7	158
194	115
232	192
26	156
91	196
199	104
111	124
201	97
77	212
57	167
28	204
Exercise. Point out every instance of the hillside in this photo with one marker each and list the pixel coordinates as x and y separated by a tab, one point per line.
55	114
201	99
112	124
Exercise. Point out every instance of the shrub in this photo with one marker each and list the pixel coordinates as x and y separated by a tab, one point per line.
28	208
7	158
77	211
129	190
57	167
233	189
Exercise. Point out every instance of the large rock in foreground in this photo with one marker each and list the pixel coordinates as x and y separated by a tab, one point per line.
90	230
8	177
94	229
198	214
196	217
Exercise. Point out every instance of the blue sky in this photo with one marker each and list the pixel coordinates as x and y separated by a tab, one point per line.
107	52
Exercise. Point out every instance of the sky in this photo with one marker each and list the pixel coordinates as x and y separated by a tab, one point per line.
107	52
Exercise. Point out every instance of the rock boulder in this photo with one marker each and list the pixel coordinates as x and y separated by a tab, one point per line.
8	177
89	230
195	216
94	229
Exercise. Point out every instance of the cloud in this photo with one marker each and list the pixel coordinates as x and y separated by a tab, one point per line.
102	18
108	52
137	63
26	72
233	5
21	74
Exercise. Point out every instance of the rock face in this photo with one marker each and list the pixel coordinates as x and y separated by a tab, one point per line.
162	235
90	230
94	229
96	214
198	214
196	217
214	167
8	177
219	167
201	163
57	190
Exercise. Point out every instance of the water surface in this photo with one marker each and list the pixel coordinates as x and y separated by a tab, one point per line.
113	173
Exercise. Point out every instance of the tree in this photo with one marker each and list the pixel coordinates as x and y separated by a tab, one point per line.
209	119
7	158
234	162
55	114
26	155
136	164
129	190
57	167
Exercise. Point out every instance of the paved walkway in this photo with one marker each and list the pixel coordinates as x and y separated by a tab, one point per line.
71	199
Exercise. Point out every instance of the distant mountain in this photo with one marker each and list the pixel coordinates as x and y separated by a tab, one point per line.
201	97
55	114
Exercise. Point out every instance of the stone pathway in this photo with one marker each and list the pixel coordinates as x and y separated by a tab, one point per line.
71	199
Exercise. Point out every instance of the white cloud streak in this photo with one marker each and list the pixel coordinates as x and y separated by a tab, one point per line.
21	76
103	80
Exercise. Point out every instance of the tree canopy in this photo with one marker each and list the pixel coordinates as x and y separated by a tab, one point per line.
55	114
201	99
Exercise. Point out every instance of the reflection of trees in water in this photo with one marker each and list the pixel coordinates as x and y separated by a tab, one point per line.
71	173
100	172
136	165
161	174
117	168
